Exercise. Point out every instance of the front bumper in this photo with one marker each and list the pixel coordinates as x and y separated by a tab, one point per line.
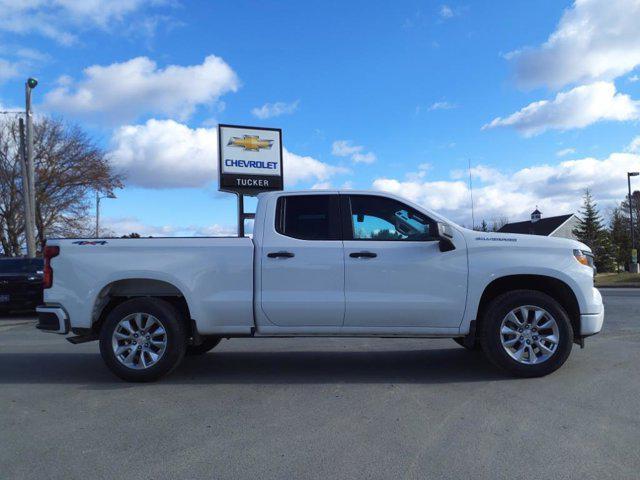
53	319
591	323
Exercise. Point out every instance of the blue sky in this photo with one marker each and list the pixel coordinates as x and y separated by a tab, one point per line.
385	95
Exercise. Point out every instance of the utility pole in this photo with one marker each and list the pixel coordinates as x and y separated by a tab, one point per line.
26	195
97	214
633	265
98	198
30	221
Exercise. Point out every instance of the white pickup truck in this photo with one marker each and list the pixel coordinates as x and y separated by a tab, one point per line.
327	263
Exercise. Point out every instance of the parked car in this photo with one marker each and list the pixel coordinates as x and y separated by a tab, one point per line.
324	264
20	283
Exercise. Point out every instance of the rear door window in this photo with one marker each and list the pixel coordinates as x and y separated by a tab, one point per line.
308	217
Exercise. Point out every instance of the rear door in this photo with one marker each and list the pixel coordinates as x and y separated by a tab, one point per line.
395	273
302	262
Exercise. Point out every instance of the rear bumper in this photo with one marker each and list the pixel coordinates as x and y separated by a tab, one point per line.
53	319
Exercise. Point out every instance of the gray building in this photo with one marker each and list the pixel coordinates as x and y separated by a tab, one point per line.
560	226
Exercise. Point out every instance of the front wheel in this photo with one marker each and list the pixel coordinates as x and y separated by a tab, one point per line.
526	333
143	339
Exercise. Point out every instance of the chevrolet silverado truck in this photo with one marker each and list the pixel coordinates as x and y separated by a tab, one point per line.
319	264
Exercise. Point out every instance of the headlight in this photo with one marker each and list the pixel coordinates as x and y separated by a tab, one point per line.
585	258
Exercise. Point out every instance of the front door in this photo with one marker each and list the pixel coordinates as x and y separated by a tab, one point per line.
303	263
395	273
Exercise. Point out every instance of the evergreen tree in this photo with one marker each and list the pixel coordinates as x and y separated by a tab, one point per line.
635	207
605	253
591	232
589	226
620	236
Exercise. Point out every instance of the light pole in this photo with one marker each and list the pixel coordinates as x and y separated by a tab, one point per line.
26	197
98	198
633	266
30	224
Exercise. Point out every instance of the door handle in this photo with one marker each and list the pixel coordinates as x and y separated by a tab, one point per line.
363	255
280	255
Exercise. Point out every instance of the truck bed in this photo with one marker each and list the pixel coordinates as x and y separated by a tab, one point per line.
213	274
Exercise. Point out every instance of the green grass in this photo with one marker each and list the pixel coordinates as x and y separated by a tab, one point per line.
618	279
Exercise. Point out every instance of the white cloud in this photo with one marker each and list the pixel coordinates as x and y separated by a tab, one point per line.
345	148
423	169
8	70
594	40
634	146
557	189
576	108
446	12
56	18
269	110
125	91
298	168
165	154
368	157
634	78
565	151
442	106
118	226
168	154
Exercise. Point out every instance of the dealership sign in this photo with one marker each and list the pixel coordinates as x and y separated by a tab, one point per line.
250	159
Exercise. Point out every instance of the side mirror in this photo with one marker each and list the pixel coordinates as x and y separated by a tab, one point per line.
445	234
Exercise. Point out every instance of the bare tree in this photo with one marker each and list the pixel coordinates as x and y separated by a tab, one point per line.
498	223
68	165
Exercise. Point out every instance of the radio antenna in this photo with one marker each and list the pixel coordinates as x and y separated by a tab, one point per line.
473	219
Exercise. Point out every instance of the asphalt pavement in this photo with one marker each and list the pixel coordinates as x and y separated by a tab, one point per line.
323	409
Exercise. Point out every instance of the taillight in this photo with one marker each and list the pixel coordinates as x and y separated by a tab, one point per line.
49	253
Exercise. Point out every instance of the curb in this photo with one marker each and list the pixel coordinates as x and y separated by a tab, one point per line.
13	323
619	285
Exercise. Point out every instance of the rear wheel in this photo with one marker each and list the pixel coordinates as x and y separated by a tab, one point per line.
143	339
527	333
208	343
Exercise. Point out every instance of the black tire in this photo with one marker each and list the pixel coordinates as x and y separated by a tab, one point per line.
176	340
491	339
208	343
476	347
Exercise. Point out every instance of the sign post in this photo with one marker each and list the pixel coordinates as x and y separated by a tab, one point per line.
250	162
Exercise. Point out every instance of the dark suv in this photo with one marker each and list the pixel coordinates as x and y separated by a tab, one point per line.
20	283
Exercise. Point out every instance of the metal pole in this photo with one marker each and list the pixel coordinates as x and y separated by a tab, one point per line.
97	215
473	218
632	265
26	197
30	168
240	215
633	237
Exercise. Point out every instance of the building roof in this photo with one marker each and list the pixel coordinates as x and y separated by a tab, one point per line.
544	226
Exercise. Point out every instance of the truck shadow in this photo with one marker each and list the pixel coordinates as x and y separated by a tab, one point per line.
450	365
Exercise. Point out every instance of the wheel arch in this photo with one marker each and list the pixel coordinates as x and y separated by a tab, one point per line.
554	287
118	291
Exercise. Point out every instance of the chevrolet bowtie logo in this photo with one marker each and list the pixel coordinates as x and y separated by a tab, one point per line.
250	142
